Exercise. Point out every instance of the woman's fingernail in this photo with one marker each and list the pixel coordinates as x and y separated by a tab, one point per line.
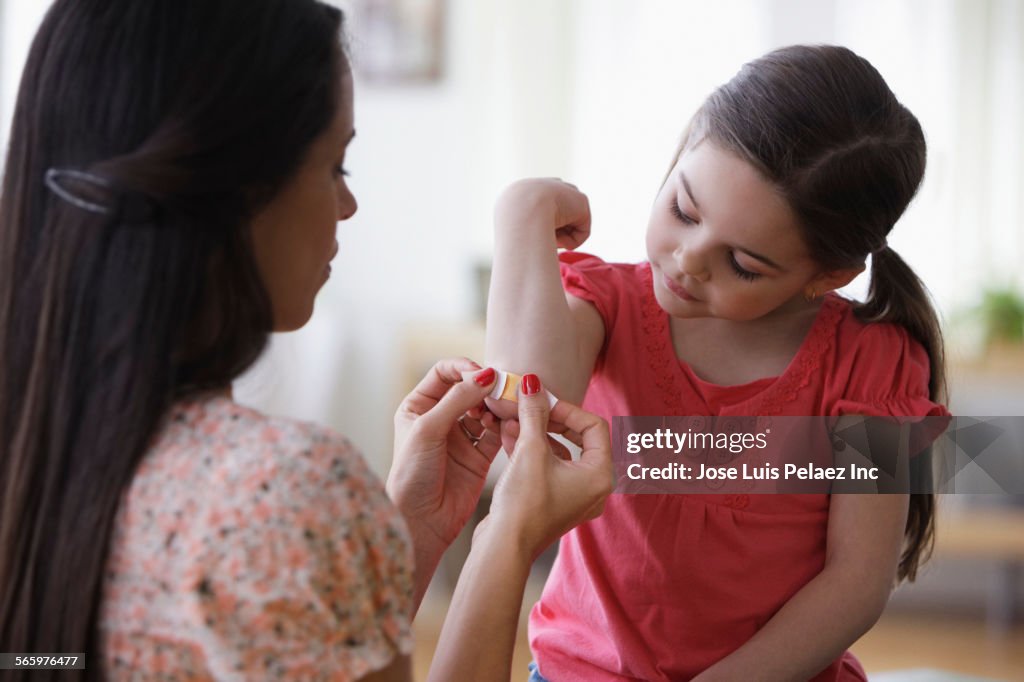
485	377
531	384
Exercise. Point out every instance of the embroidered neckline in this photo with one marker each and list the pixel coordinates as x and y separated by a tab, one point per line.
668	369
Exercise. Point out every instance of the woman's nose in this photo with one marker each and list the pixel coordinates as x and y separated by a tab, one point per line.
347	204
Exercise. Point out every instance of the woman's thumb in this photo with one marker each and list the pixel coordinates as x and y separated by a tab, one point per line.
533	409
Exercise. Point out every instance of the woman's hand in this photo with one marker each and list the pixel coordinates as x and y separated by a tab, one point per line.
438	470
547	203
543	494
539	497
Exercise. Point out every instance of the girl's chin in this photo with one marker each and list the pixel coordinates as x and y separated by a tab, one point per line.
677	307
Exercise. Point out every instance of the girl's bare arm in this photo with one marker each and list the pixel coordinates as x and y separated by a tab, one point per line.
532	324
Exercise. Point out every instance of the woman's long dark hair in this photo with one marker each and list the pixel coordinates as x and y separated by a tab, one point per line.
822	125
192	114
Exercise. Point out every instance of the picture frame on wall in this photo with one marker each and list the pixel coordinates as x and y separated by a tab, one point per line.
400	41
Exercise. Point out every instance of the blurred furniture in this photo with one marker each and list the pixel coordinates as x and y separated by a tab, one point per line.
926	675
426	342
995	534
988	528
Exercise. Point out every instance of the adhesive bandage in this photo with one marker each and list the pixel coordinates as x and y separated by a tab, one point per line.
506	386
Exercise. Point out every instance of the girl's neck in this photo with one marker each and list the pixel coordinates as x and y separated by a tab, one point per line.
790	320
730	352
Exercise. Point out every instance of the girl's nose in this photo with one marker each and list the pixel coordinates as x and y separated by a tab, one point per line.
692	262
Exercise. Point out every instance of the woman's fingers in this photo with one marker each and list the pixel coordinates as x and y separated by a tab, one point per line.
533	411
559	450
475	434
509	436
565	432
591	429
436	383
443	397
543	493
489	444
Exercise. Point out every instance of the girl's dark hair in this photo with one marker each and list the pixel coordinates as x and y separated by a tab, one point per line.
189	115
820	123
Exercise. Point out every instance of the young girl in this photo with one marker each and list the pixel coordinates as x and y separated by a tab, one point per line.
787	179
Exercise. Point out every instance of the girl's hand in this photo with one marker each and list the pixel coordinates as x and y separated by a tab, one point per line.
438	470
543	494
548	204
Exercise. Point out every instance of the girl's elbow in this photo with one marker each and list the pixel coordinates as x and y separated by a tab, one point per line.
873	606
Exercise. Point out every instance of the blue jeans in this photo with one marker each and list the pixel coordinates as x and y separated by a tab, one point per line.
535	675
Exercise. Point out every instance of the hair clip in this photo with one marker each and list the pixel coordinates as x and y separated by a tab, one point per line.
86	191
882	247
53	180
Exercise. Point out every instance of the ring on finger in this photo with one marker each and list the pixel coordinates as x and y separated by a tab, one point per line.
469	434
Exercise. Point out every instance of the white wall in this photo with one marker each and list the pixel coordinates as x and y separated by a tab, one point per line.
18	21
598	91
426	165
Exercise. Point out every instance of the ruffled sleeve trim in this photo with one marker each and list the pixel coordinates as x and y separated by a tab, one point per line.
582	276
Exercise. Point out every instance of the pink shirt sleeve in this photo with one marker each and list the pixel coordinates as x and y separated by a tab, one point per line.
591	279
888	377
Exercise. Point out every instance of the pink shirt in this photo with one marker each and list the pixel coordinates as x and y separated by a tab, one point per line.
249	547
660	587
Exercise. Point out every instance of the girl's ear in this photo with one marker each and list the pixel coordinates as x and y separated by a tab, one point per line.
833	279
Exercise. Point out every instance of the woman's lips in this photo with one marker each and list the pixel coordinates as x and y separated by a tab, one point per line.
334	252
678	289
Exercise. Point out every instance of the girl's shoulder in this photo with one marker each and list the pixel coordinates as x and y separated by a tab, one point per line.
589	265
608	286
879	368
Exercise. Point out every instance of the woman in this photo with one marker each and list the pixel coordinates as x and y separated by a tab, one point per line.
170	197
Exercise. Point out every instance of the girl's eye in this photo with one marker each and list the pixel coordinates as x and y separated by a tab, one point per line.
740	272
678	213
340	171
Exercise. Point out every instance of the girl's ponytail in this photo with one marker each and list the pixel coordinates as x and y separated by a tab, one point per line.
898	296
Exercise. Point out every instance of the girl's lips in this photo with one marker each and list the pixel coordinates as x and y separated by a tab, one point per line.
678	289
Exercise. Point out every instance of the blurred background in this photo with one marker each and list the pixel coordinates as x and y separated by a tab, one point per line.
457	98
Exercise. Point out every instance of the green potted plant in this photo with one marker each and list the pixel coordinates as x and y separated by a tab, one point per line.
1001	314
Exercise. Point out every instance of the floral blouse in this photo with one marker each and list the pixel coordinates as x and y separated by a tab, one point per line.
253	547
